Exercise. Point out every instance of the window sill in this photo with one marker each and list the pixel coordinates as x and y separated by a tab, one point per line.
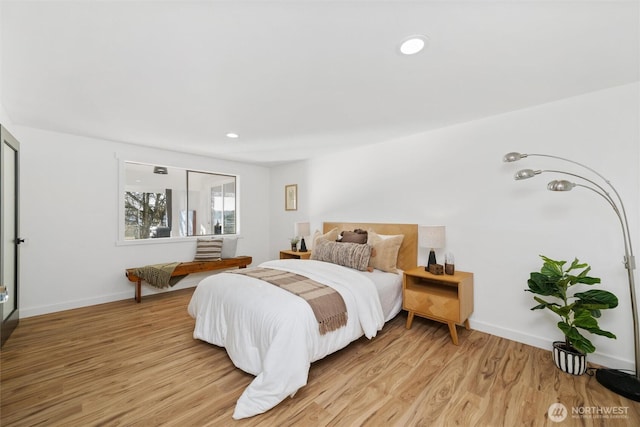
169	240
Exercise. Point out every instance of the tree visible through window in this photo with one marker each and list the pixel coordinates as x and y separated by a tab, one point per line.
145	213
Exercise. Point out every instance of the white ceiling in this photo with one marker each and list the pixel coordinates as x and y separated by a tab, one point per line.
298	78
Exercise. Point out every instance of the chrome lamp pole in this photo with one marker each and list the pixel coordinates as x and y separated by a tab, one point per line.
622	383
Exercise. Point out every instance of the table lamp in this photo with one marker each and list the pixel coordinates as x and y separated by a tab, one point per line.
302	229
432	237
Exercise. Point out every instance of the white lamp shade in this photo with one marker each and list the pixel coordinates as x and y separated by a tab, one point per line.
302	229
431	236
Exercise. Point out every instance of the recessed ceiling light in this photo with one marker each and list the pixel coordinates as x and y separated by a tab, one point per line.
232	135
414	44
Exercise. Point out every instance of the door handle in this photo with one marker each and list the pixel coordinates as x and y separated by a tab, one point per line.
4	294
19	240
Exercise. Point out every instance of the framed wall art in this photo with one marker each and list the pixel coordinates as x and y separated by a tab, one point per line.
291	197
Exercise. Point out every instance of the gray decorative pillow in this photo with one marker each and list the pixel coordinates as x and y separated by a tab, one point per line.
352	255
208	250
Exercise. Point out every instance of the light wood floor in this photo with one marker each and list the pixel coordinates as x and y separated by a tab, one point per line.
137	365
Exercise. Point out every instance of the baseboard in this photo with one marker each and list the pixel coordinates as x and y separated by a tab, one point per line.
70	305
606	360
187	282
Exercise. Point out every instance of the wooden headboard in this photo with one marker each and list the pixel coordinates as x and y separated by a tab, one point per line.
408	254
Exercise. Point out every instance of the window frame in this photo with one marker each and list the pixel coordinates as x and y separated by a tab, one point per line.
120	238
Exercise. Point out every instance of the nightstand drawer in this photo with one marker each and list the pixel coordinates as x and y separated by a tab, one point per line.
440	306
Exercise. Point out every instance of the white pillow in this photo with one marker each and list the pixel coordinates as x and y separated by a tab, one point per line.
229	247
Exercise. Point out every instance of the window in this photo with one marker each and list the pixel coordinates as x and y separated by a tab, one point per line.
164	202
213	195
145	214
223	208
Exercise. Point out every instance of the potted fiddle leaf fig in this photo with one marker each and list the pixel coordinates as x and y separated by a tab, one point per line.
578	311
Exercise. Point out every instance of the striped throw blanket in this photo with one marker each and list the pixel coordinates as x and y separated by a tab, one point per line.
327	304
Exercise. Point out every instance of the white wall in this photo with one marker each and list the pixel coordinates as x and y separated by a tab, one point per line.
69	216
4	117
282	222
496	227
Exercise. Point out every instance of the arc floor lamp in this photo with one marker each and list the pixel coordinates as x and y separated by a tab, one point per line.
615	380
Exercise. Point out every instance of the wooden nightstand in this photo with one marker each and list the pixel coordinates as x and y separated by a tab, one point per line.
295	255
444	298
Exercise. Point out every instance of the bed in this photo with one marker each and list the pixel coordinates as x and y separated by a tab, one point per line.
273	334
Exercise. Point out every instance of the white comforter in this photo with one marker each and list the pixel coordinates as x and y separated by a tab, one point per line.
273	334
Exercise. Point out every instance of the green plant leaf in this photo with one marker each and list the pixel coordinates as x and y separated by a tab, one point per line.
584	345
551	270
597	297
567	330
552	267
550	261
576	339
543	304
576	264
586	270
582	278
561	310
541	285
598	331
583	319
591	307
587	280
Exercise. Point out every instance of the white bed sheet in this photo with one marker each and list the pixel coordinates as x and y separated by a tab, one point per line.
273	334
389	287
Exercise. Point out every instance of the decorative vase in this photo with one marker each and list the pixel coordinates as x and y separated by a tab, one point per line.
569	360
449	264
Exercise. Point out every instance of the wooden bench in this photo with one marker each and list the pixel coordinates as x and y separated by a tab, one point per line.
185	268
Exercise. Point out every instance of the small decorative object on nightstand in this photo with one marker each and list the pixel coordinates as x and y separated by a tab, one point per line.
446	298
294	255
436	269
449	263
